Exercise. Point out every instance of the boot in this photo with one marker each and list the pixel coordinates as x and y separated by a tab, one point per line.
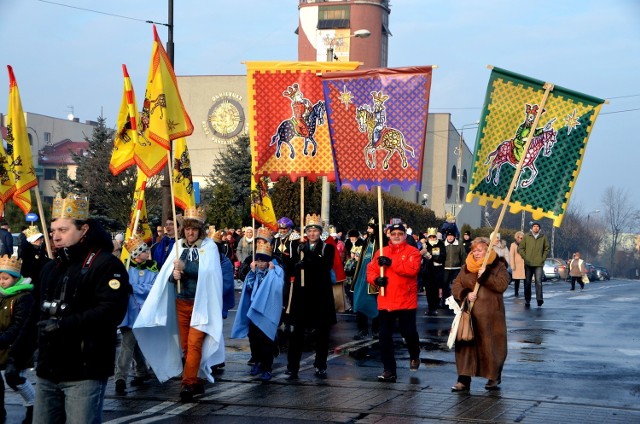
28	418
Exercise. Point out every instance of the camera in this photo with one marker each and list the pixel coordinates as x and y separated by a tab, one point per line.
54	307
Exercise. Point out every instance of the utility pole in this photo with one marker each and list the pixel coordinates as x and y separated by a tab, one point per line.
166	188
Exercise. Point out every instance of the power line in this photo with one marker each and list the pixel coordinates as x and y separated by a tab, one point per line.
102	13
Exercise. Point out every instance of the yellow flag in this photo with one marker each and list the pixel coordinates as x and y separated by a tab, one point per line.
143	230
7	185
163	116
126	136
261	206
182	178
18	149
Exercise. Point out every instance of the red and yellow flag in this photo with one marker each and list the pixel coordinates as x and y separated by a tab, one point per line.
261	206
163	116
287	120
129	146
143	230
18	148
7	185
182	179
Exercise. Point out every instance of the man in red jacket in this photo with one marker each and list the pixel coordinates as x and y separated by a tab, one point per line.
400	264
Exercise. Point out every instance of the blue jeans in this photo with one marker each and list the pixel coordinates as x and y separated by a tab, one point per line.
70	402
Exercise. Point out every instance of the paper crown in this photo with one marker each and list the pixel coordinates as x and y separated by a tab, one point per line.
195	213
10	265
332	230
264	249
32	233
264	234
73	206
135	246
432	231
356	250
313	221
217	236
372	223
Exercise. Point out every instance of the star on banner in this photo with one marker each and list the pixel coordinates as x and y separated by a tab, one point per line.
571	121
345	97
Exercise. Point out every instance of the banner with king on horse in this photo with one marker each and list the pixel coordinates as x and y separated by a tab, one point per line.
287	119
552	162
378	122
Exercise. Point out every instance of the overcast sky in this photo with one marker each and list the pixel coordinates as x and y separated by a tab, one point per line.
66	57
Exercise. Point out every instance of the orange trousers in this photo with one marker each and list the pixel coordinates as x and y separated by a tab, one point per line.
190	341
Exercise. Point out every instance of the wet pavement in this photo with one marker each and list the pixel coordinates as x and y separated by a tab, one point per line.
574	360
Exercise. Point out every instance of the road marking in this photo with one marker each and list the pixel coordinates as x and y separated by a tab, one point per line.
152	410
564	320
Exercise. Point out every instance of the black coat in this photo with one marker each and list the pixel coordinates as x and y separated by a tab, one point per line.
313	305
95	296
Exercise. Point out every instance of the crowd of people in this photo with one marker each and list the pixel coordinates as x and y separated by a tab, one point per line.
167	302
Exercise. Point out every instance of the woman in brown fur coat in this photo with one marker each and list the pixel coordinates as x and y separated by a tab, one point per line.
484	356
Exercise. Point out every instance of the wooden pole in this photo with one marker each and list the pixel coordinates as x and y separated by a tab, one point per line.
173	209
45	230
516	176
380	236
301	226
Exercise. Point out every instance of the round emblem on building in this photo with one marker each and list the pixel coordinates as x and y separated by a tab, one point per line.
226	119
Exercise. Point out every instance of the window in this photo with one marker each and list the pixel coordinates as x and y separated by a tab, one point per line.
50	174
464	176
449	191
454	173
47	137
461	189
333	17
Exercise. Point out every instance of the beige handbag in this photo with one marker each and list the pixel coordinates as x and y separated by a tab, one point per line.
465	328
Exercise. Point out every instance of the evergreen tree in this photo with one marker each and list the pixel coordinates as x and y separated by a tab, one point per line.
110	197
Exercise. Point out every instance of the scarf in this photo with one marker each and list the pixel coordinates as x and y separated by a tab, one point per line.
474	266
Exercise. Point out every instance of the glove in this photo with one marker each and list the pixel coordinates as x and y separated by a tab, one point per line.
299	265
384	261
381	281
12	376
49	326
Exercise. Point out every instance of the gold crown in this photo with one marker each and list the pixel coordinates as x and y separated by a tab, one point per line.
264	249
264	233
379	97
356	250
135	246
10	265
217	236
332	230
31	231
432	231
313	221
372	222
195	213
73	206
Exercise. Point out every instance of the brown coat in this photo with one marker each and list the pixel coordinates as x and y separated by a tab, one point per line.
485	355
517	263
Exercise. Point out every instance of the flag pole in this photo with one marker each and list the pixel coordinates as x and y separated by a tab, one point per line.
45	231
548	87
301	226
173	209
380	236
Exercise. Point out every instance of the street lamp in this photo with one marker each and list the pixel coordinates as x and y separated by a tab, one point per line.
425	199
590	213
326	187
458	151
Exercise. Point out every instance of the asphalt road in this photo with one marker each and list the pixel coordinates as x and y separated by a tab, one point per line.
575	359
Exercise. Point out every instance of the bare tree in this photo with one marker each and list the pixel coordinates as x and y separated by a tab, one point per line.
619	215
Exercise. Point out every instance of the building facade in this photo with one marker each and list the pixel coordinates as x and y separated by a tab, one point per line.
332	30
53	142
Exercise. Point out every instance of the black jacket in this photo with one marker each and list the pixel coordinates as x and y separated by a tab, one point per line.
94	287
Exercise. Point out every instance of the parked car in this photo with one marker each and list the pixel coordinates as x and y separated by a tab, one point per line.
563	268
602	273
591	271
551	270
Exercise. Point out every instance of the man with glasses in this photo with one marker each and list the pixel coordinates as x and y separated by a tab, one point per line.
396	273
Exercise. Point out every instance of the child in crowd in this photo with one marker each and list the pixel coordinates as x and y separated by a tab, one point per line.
16	328
259	310
142	273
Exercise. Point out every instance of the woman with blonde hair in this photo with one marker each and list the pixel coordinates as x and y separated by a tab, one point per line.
517	263
484	356
245	245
